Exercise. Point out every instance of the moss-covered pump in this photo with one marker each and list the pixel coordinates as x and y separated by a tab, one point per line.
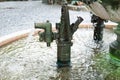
63	36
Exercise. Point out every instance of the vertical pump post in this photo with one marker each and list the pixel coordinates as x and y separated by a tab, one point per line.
65	36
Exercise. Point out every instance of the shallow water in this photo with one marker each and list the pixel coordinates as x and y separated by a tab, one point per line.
32	60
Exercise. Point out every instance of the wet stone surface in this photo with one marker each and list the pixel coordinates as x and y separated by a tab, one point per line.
29	59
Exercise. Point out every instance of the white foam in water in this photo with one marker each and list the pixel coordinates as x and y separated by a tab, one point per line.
30	59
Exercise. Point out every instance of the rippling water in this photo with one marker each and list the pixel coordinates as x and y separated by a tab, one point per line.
32	60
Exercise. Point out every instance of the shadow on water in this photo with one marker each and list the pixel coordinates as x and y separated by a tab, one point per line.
34	61
62	74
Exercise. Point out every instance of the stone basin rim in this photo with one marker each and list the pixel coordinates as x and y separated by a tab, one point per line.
7	39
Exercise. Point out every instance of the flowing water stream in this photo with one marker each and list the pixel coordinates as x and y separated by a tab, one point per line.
32	60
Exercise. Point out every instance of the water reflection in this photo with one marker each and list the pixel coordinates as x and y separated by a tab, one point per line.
63	74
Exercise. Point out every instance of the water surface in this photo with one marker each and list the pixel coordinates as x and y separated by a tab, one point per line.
29	59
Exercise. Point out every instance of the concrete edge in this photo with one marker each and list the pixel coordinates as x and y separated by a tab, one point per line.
7	39
90	25
16	36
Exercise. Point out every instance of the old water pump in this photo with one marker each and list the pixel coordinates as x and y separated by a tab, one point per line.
63	36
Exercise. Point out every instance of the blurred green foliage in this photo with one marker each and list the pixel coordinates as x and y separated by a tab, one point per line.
115	4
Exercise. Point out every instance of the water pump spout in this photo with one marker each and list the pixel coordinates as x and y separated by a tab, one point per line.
47	34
